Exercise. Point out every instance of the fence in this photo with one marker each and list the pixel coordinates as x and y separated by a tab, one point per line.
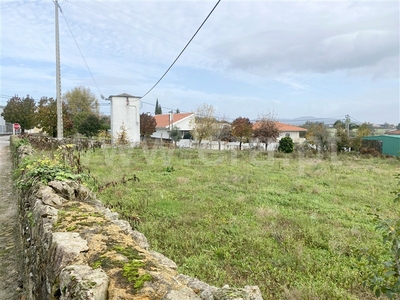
6	129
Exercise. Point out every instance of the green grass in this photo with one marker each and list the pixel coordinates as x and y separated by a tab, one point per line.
292	226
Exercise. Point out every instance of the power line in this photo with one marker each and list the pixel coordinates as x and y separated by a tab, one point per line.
215	6
293	85
87	66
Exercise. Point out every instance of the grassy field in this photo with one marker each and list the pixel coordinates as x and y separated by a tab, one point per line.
292	226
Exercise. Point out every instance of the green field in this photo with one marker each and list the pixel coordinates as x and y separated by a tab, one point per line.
291	225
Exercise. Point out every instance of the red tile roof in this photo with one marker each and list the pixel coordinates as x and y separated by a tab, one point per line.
394	132
163	120
284	127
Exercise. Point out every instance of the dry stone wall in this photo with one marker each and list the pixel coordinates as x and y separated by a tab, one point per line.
75	248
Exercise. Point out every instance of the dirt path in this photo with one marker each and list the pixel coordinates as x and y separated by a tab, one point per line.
10	256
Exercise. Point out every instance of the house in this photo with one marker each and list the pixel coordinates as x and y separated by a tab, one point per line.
291	131
165	122
386	144
288	130
393	132
125	117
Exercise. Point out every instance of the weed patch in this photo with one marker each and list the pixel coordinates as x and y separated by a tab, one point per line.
287	223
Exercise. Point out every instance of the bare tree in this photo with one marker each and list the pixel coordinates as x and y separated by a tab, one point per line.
204	123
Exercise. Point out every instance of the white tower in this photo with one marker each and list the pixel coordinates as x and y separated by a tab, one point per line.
125	115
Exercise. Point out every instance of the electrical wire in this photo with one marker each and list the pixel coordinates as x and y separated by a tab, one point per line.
297	82
179	55
76	43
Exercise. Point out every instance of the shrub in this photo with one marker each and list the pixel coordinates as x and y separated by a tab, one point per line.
371	151
286	145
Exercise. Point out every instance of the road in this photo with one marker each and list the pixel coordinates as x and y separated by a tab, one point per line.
10	254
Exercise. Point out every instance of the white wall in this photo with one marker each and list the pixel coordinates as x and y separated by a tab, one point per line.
161	133
2	122
125	112
295	135
185	124
215	145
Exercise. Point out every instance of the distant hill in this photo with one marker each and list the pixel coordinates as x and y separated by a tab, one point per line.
301	120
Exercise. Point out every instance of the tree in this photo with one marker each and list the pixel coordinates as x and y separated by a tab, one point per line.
286	145
47	117
90	126
398	126
204	123
364	130
158	109
21	111
177	111
105	123
342	139
318	135
147	125
266	129
339	123
242	128
81	103
175	135
225	133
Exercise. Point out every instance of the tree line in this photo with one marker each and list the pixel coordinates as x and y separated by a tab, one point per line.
81	114
80	109
206	126
265	129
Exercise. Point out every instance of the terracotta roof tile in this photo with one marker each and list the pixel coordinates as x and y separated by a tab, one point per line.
284	127
394	132
163	120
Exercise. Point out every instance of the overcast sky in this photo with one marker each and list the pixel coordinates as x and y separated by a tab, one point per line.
291	58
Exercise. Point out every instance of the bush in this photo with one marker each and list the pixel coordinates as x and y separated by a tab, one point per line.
371	151
286	145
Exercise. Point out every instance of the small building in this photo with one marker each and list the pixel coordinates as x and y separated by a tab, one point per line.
125	117
166	122
291	131
393	132
387	144
288	130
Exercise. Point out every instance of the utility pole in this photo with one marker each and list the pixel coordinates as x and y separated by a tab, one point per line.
348	125
60	127
171	122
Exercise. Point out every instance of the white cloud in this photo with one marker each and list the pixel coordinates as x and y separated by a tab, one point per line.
280	55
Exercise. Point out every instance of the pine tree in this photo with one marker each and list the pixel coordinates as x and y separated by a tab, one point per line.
158	109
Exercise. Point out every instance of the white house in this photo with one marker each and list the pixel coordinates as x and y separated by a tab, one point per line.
125	116
165	122
291	131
